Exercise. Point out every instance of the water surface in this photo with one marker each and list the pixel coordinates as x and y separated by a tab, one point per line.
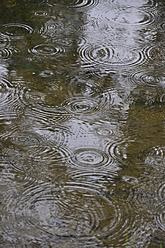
82	115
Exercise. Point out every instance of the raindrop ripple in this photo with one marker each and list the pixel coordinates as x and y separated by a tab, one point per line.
90	159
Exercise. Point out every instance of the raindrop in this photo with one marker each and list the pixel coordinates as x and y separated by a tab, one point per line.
81	105
52	154
126	152
16	30
82	87
150	78
155	156
28	142
78	4
46	50
90	159
108	56
92	55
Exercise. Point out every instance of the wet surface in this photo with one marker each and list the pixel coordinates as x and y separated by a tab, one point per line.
82	116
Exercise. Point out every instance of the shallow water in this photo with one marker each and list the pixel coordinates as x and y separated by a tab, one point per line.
82	115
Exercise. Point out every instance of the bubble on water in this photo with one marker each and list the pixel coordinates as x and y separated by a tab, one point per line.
46	73
41	13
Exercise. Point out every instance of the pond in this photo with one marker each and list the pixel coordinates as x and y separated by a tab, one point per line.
82	123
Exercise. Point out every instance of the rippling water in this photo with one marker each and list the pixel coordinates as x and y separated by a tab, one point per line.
82	115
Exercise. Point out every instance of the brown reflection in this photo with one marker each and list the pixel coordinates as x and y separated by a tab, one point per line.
10	3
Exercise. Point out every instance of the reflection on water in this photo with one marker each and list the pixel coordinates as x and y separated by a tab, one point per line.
82	123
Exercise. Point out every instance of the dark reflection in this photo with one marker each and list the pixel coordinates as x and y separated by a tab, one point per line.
82	123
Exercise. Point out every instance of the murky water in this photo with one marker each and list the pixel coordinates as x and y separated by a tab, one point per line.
82	117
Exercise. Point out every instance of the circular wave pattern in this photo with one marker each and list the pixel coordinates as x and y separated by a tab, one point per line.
149	78
81	105
10	106
130	16
71	211
6	90
160	217
137	4
46	50
29	153
86	88
46	114
4	41
124	152
156	156
156	54
5	53
92	55
108	56
90	158
57	135
161	193
78	4
45	101
103	128
48	210
27	142
52	155
16	30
